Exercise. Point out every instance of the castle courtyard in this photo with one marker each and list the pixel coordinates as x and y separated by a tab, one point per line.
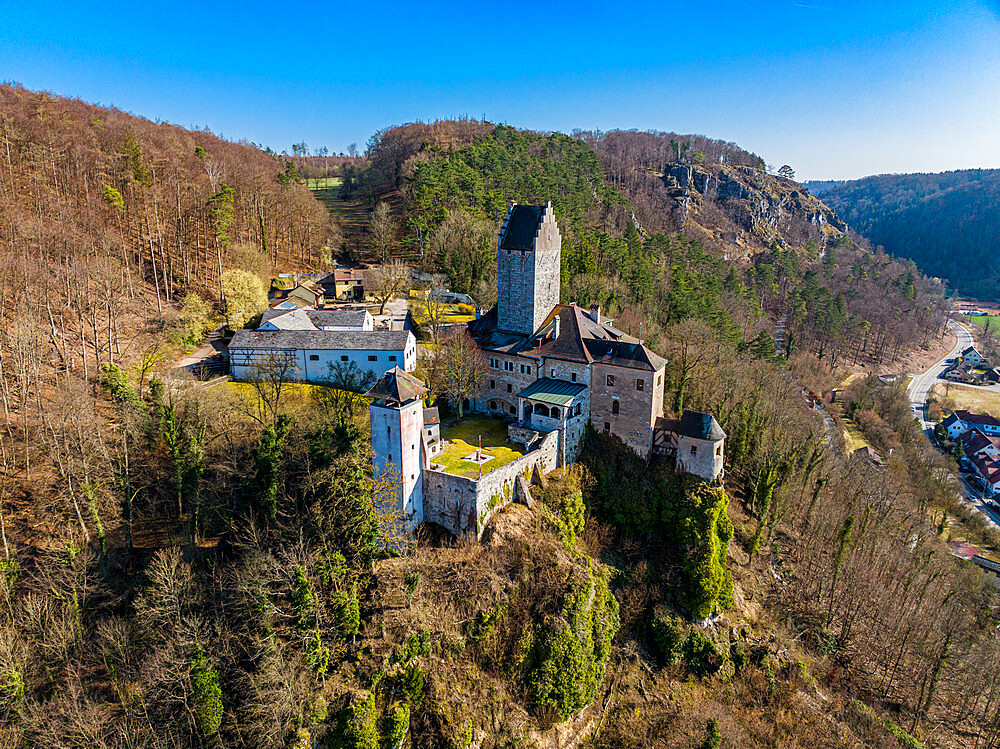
461	439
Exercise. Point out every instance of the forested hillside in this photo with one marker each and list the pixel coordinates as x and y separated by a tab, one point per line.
837	299
947	223
191	564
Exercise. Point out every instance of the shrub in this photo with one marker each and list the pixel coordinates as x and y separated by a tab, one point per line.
346	612
713	737
669	635
414	646
564	499
466	309
397	724
411	683
676	642
571	650
302	600
206	694
359	730
114	381
411	581
695	515
483	623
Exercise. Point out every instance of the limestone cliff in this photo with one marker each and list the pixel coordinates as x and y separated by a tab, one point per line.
743	210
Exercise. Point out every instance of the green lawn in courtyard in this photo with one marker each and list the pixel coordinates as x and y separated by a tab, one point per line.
462	438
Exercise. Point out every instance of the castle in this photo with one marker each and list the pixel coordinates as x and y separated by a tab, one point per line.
552	369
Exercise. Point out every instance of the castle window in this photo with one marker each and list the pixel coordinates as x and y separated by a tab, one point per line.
313	357
607	426
611	380
372	357
493	405
640	384
552	372
510	388
576	410
513	410
694	449
572	376
614	407
718	449
344	357
493	384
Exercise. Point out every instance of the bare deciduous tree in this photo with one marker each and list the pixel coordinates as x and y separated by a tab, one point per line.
463	368
387	281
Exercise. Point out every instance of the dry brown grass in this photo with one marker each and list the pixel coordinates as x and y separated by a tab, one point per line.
964	397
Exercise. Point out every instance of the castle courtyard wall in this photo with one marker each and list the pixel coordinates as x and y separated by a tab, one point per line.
464	506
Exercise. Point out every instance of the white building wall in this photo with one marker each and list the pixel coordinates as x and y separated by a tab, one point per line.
707	460
396	441
314	365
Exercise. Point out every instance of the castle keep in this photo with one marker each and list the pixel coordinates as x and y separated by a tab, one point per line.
552	369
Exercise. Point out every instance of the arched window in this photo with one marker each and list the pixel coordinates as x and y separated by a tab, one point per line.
541	410
513	411
614	407
527	410
493	405
555	413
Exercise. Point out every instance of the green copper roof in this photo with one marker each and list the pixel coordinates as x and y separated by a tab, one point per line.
556	392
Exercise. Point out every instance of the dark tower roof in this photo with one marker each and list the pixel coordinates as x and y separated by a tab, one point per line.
397	386
522	227
700	426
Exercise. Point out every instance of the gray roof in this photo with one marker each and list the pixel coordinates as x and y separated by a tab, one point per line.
522	227
694	424
548	390
397	386
314	319
322	340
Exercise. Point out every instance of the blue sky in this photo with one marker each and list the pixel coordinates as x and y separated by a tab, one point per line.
836	88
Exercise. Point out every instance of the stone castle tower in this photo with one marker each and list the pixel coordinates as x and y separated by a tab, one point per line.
528	267
399	449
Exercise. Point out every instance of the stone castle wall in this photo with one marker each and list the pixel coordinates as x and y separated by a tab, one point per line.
637	409
464	506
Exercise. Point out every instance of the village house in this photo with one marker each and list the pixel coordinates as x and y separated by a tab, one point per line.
309	292
987	467
315	355
344	284
868	455
972	357
975	442
961	421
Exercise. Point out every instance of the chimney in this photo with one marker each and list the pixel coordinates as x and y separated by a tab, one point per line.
555	327
595	313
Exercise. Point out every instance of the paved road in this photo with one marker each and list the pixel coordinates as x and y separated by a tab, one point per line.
921	384
918	390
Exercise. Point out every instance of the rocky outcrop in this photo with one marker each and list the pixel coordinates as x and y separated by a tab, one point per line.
747	207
